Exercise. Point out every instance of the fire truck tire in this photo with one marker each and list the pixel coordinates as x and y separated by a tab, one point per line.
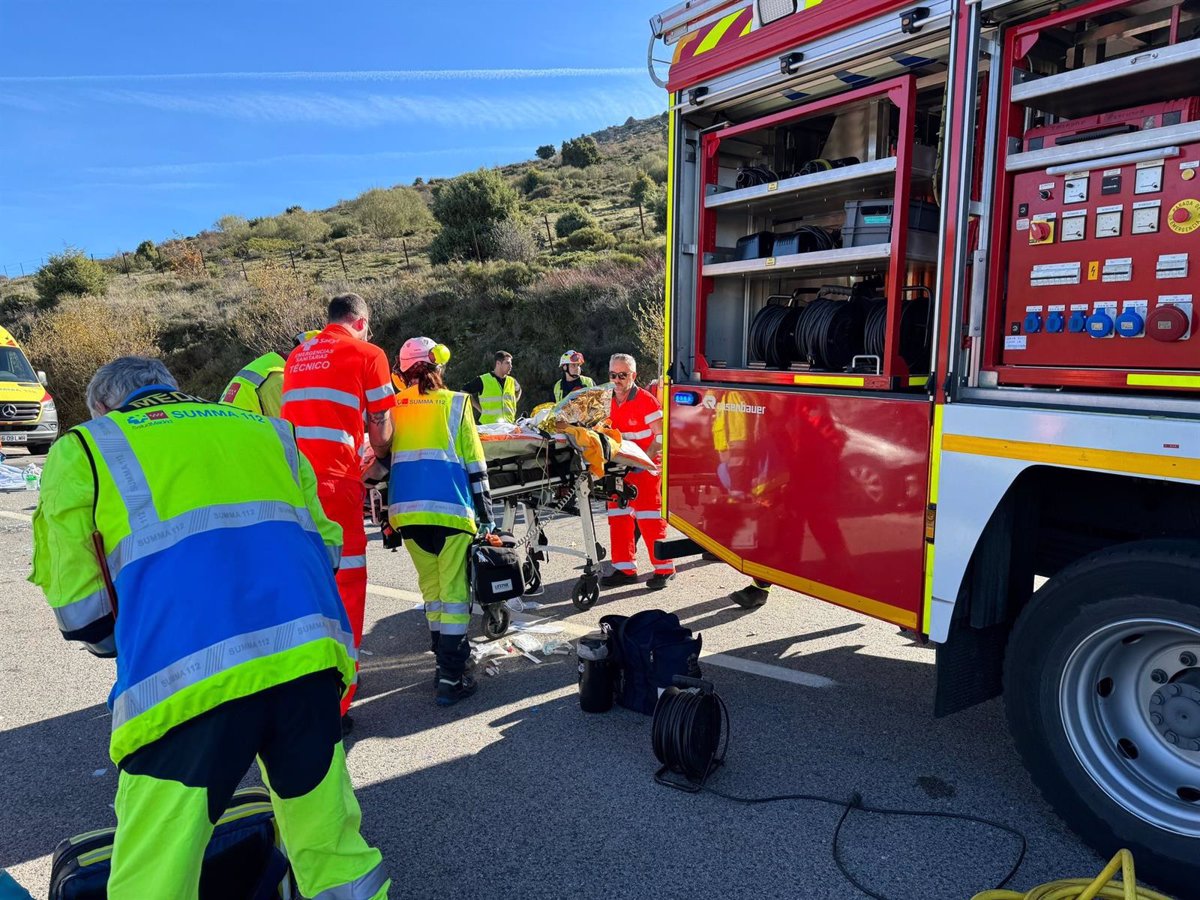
1102	693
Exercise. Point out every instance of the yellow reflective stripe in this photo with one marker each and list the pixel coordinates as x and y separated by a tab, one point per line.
935	479
877	608
809	4
1179	381
683	42
718	31
749	27
833	380
918	380
668	295
1150	464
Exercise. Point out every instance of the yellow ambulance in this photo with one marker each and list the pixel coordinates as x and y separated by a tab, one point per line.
28	417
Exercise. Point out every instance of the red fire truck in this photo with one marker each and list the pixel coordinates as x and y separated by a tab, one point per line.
932	355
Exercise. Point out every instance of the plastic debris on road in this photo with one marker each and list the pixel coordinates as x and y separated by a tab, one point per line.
12	478
516	604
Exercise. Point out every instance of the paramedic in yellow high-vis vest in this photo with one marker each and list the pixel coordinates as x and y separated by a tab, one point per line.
149	539
495	394
439	499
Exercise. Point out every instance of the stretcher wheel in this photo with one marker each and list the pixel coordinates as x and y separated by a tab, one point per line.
585	593
495	620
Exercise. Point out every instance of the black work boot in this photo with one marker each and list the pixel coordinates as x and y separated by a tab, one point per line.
750	597
434	636
451	689
617	578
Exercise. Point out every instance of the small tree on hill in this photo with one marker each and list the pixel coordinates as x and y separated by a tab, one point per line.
234	230
572	219
394	212
467	207
643	192
147	255
69	273
546	151
580	152
302	227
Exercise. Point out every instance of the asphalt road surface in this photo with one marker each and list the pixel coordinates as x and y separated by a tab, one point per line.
517	792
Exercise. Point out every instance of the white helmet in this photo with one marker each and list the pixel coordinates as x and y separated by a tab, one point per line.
571	357
422	349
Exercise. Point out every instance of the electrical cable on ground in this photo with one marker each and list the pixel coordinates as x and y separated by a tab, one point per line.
690	735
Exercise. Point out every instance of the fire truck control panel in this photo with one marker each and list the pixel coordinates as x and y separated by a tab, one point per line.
1105	247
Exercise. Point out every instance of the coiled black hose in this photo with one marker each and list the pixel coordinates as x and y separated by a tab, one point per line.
690	733
830	334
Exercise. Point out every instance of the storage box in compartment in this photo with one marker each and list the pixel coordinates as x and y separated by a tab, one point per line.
870	222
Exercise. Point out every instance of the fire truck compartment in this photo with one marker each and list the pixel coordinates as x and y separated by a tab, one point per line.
830	485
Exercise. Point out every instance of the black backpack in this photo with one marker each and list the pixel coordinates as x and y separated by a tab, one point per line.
648	650
243	861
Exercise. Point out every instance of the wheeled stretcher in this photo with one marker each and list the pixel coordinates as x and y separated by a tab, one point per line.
540	476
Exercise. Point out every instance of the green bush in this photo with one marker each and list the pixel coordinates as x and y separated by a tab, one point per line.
70	273
342	228
572	219
591	237
467	207
393	213
265	246
546	151
534	179
580	152
302	227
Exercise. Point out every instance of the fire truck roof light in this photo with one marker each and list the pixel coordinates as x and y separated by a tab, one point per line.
773	10
1106	162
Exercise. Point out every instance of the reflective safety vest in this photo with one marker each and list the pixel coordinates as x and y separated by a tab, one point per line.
329	382
498	402
634	417
560	390
438	474
258	387
221	558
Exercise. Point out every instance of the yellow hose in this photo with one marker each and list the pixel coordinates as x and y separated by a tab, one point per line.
1102	887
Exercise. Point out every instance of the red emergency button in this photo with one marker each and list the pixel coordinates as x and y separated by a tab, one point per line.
1181	214
1167	323
1039	231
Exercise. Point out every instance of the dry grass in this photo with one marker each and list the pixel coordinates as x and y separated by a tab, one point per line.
76	339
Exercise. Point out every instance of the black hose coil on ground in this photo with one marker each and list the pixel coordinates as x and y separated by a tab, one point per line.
690	733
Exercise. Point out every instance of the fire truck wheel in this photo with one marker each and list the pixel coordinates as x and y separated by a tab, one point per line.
1102	691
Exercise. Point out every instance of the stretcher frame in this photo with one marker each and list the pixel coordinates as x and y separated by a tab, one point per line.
550	478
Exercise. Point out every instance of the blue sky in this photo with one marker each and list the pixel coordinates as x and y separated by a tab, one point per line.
129	119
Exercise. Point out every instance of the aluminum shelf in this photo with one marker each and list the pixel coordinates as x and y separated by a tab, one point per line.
1144	78
814	193
823	263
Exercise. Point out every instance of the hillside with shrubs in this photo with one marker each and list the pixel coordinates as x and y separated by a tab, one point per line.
564	250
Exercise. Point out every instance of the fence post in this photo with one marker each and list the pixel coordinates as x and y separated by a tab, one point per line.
245	274
345	271
404	244
549	235
125	259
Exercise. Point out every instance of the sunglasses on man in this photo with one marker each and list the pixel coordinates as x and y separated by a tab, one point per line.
620	376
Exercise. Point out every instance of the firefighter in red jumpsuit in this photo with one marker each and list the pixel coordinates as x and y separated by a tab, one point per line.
638	416
331	383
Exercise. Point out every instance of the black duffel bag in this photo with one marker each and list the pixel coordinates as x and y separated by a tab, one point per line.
495	572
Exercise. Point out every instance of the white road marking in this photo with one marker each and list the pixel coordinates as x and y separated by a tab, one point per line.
395	594
766	670
20	517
